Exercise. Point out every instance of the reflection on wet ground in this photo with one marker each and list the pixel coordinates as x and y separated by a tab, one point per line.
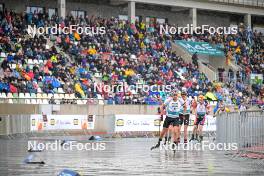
128	156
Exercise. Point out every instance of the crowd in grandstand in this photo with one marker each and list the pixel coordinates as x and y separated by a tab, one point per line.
127	54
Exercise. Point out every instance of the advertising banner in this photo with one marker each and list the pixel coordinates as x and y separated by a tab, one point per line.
199	48
56	122
128	122
209	124
125	122
256	79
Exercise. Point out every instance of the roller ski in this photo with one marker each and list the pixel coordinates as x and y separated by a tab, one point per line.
193	138
155	146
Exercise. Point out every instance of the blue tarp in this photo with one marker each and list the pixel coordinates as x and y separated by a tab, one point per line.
67	172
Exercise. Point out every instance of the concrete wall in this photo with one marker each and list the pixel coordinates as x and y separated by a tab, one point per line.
217	62
180	17
14	109
213	19
107	109
14	124
19	125
20	5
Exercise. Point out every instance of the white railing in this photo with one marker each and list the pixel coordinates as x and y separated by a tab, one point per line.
35	100
246	129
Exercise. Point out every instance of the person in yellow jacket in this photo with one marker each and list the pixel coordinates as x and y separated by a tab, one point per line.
233	43
162	59
92	51
142	26
126	38
238	50
78	89
115	38
54	59
129	72
220	107
140	35
72	70
142	45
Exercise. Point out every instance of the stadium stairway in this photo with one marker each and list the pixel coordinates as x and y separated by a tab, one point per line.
187	57
234	66
208	70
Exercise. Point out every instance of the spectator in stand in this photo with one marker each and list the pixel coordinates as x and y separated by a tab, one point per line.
127	54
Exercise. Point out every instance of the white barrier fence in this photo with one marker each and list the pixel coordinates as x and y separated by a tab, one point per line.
245	128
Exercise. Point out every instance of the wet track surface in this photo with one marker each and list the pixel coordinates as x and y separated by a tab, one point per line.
129	156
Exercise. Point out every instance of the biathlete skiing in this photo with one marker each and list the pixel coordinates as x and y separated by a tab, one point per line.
202	109
170	129
186	103
173	107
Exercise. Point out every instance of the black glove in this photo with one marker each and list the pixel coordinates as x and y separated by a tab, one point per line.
159	111
161	117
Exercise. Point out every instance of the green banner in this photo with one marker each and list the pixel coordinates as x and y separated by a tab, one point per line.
199	48
256	79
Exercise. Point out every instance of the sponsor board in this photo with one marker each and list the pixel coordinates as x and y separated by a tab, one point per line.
199	48
256	79
125	122
40	122
128	122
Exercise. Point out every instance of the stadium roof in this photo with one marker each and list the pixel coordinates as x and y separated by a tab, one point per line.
234	6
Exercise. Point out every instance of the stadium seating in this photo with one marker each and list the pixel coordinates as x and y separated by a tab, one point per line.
136	55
